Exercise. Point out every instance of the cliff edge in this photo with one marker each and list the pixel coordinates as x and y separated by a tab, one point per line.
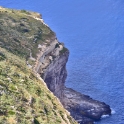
83	108
24	96
25	34
51	65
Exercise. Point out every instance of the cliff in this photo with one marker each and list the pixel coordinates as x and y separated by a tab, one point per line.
83	108
24	96
26	35
56	74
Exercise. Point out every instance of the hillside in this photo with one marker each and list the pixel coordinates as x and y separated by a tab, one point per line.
24	97
32	61
21	31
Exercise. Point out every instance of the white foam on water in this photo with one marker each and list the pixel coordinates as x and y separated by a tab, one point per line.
104	116
113	111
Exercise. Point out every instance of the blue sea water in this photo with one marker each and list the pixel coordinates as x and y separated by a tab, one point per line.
93	31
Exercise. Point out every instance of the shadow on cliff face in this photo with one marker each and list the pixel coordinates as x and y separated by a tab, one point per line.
55	75
81	107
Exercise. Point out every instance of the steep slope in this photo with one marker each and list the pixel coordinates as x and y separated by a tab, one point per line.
24	97
21	32
24	34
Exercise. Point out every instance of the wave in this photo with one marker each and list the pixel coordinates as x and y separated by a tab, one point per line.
104	116
113	111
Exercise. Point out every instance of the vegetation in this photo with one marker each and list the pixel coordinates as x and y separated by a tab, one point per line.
20	31
24	98
63	50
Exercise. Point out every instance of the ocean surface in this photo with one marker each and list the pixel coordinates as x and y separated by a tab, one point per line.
93	31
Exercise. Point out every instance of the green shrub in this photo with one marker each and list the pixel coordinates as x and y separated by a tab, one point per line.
2	56
24	11
36	121
11	113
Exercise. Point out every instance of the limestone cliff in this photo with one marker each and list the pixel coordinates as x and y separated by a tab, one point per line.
50	63
24	96
56	74
25	34
83	108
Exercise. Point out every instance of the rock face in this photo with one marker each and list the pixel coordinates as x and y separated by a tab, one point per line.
83	108
25	34
24	96
56	74
49	60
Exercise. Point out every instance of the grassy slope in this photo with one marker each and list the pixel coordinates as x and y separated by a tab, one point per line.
19	32
24	99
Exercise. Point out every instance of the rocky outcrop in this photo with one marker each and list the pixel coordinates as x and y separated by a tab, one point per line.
55	75
83	108
24	97
51	65
25	34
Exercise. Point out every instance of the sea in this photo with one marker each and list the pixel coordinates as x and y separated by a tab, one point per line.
93	31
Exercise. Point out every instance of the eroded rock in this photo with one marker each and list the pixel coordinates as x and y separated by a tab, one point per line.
83	108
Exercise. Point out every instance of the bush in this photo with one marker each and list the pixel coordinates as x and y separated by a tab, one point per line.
2	56
11	113
25	30
24	11
57	45
36	121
